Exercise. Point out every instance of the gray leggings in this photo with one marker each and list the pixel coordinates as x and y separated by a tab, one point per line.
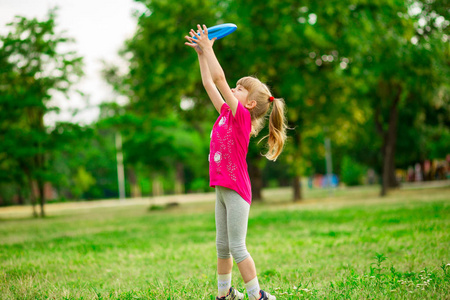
231	224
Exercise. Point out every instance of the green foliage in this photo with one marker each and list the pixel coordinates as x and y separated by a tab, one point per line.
341	66
32	68
400	65
344	68
160	138
85	162
352	172
200	184
83	181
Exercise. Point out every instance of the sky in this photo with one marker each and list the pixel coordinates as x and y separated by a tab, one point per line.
99	28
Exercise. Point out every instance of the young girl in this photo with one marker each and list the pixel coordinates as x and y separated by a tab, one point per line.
241	115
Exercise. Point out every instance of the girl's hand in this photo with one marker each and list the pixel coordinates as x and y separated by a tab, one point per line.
193	45
202	41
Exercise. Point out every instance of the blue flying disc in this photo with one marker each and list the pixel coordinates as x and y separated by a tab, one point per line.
219	31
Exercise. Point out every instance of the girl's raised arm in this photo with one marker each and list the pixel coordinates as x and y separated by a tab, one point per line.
208	83
216	71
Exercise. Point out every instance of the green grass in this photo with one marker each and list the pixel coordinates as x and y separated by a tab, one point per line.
352	246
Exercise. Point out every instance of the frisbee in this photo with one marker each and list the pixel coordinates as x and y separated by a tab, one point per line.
219	31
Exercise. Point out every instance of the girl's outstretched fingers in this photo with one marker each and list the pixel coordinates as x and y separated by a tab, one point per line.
198	38
189	42
193	33
200	31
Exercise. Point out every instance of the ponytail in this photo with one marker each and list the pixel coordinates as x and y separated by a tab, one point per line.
277	129
259	92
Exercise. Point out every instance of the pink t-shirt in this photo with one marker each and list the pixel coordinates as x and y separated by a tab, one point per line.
230	137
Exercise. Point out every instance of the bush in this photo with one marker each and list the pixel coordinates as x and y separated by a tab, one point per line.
199	185
352	173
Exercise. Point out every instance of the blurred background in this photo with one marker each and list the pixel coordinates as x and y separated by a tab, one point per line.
103	100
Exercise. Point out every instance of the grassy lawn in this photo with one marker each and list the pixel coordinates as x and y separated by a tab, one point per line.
353	245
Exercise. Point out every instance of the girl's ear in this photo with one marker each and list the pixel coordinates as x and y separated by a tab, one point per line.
250	104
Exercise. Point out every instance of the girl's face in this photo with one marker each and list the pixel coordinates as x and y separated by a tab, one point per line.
241	94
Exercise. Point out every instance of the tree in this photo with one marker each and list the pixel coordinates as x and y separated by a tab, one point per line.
341	66
292	46
162	74
401	63
33	68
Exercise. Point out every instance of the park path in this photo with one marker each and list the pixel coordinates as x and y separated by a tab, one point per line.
285	193
18	211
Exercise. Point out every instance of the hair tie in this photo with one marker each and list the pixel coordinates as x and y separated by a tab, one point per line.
271	98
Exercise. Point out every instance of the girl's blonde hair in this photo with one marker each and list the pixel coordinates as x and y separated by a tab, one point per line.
259	92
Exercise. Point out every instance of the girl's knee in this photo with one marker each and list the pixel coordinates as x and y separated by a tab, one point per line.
223	250
239	252
241	257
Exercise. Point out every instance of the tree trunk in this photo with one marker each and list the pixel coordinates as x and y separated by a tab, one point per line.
179	181
157	186
41	191
385	175
256	180
392	176
32	195
392	140
20	197
134	185
296	183
389	179
297	165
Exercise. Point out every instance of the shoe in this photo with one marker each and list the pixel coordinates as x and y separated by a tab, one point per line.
266	296
233	294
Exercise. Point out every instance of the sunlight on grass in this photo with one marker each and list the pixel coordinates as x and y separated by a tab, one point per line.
352	246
